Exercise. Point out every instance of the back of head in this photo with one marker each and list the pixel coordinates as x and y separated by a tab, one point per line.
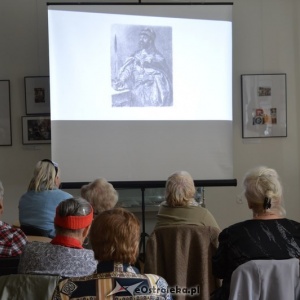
73	215
263	190
44	176
100	194
115	235
180	189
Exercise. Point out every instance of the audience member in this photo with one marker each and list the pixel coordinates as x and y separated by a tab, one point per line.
37	206
64	255
12	240
100	194
180	206
115	236
268	235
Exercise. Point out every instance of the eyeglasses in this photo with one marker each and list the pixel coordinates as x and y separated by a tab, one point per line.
54	164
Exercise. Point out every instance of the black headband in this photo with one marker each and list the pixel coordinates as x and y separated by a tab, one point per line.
53	164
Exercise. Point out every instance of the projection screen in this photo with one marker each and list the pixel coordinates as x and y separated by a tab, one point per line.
139	91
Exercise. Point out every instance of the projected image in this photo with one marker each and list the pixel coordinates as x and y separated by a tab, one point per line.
141	63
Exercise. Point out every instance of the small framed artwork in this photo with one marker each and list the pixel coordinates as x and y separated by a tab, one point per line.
37	95
264	105
36	130
5	114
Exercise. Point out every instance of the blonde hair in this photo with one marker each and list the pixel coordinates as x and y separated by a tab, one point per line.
262	185
180	189
115	235
100	194
44	176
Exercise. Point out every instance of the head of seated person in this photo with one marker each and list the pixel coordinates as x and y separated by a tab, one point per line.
180	189
72	224
73	219
115	236
12	240
263	191
46	176
100	194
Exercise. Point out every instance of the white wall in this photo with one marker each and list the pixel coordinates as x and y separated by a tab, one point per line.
266	39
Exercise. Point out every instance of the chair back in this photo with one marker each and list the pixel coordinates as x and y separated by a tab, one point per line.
37	238
266	279
27	286
9	265
182	255
31	230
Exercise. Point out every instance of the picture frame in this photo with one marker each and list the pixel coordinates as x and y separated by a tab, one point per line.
37	95
36	130
264	105
5	114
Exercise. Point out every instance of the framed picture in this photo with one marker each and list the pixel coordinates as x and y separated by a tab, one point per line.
37	95
36	130
264	107
5	114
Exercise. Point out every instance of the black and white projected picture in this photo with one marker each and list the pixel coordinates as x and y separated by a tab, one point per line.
141	66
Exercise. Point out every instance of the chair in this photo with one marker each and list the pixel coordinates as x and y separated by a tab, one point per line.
9	265
182	255
27	286
265	280
37	238
31	230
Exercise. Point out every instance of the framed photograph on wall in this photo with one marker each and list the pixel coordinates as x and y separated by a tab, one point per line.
36	130
264	105
5	114
37	95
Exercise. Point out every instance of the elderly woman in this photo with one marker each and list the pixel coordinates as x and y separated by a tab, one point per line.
268	235
37	206
64	255
100	194
180	206
115	238
12	240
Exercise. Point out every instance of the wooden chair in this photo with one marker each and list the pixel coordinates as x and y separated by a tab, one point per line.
31	230
182	255
33	238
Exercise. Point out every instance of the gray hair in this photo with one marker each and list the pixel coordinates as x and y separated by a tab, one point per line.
180	189
74	207
262	185
100	194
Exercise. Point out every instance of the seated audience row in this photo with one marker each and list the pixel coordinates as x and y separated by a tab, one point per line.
114	234
37	206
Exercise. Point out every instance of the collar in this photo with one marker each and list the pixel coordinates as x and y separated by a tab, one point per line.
66	241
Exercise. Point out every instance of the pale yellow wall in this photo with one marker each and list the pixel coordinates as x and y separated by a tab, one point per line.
266	39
